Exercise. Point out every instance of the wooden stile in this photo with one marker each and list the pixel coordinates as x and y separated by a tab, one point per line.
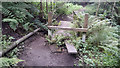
70	47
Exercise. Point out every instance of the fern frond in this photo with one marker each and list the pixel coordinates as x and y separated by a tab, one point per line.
13	23
9	61
9	20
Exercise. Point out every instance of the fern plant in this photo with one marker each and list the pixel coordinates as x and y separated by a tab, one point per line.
17	14
13	23
9	61
68	8
101	47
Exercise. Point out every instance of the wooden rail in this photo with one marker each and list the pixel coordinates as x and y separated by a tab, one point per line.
68	28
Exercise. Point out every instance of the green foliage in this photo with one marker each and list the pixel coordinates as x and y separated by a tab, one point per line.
111	12
57	39
60	39
99	31
13	23
111	56
4	61
19	14
8	61
68	8
39	24
92	8
5	41
101	47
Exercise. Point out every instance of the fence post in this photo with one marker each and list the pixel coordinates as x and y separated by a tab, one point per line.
49	23
85	26
50	18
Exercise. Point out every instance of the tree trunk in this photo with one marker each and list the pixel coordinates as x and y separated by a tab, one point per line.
113	9
41	10
46	7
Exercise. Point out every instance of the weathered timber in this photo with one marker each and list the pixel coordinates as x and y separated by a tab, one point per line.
49	23
71	48
85	26
86	21
50	18
14	44
68	28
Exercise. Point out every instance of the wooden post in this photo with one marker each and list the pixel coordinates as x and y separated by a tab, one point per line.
85	26
49	23
49	18
86	21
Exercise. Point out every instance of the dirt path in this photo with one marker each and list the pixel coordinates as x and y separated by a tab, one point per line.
37	53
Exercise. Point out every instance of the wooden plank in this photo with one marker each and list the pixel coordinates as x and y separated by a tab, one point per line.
68	28
71	49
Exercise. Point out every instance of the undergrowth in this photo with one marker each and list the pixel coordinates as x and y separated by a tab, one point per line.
68	8
11	59
101	47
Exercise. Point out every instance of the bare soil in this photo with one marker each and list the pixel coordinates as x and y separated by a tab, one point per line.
37	53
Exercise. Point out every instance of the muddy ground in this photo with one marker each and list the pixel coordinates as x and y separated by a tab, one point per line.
38	53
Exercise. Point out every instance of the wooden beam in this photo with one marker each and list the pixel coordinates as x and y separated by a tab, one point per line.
71	48
68	28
